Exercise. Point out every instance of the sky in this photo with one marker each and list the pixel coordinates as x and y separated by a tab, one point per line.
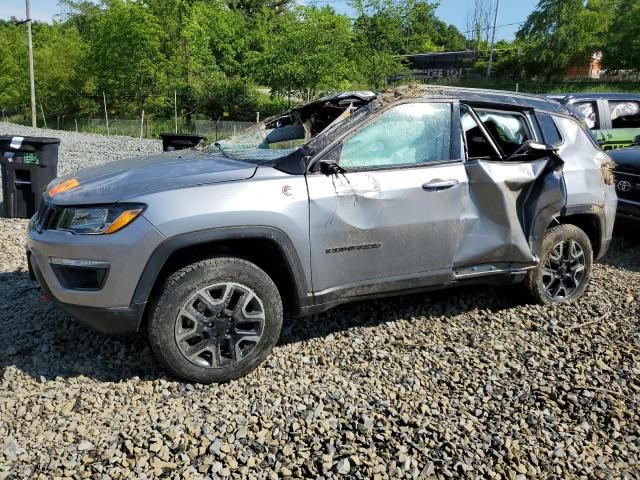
451	11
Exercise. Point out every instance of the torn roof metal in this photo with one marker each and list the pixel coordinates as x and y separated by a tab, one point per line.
472	95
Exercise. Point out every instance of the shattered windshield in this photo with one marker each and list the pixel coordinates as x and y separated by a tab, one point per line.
260	144
278	137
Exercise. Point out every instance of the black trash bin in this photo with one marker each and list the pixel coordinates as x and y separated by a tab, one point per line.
27	165
179	141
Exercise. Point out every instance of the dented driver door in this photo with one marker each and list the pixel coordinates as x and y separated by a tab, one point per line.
389	216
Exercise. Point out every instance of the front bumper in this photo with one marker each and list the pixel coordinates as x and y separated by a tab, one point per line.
109	308
110	321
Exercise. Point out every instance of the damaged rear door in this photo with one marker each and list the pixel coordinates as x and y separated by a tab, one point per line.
386	202
515	190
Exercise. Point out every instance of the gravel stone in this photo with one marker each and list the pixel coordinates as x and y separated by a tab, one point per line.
465	383
343	467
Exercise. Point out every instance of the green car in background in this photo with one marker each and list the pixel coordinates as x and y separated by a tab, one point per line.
614	118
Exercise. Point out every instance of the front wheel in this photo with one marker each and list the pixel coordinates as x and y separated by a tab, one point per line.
215	320
565	268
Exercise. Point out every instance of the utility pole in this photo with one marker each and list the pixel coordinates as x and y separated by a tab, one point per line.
31	75
493	39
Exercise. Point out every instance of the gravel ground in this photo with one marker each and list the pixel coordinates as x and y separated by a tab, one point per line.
464	383
80	150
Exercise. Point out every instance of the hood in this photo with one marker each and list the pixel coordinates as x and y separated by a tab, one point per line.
122	179
626	159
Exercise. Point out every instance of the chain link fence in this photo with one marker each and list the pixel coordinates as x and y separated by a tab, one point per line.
219	130
150	127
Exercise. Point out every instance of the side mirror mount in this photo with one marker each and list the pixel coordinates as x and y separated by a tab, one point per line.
533	150
330	167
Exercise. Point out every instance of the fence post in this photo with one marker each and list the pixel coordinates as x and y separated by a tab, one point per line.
175	108
106	117
257	117
141	124
43	117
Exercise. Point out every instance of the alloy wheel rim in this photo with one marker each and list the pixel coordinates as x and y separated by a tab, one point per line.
219	325
564	270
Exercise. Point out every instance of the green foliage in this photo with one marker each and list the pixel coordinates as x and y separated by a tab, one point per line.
305	52
126	53
559	33
14	74
508	61
622	49
62	75
427	33
379	37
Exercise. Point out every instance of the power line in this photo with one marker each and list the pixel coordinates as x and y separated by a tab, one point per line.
497	26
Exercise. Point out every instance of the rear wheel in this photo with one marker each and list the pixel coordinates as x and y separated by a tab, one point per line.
565	268
215	320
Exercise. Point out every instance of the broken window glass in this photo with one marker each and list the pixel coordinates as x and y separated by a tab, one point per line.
478	145
590	112
508	129
410	133
282	135
625	114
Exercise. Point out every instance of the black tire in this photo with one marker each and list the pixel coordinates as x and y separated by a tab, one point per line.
546	279
186	312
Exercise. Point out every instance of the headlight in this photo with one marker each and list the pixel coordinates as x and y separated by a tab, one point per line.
97	220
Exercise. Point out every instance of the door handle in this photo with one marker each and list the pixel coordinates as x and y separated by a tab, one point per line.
438	184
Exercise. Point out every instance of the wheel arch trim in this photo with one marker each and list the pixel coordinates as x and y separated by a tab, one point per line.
168	247
594	211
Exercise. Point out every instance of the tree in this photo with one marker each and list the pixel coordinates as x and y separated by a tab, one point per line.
379	40
559	33
251	8
62	75
622	48
126	53
479	24
508	61
14	74
427	33
306	51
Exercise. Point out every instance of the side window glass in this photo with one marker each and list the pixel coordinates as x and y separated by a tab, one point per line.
590	112
478	145
625	114
549	129
508	129
411	133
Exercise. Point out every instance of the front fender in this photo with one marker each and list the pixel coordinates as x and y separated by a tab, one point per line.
192	239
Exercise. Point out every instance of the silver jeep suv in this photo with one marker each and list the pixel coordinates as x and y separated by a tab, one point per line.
349	197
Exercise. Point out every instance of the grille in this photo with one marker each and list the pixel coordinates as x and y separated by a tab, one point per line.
627	185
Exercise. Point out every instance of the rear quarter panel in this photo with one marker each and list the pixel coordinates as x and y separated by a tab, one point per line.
583	172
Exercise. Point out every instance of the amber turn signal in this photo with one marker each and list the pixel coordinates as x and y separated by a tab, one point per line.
124	219
63	187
